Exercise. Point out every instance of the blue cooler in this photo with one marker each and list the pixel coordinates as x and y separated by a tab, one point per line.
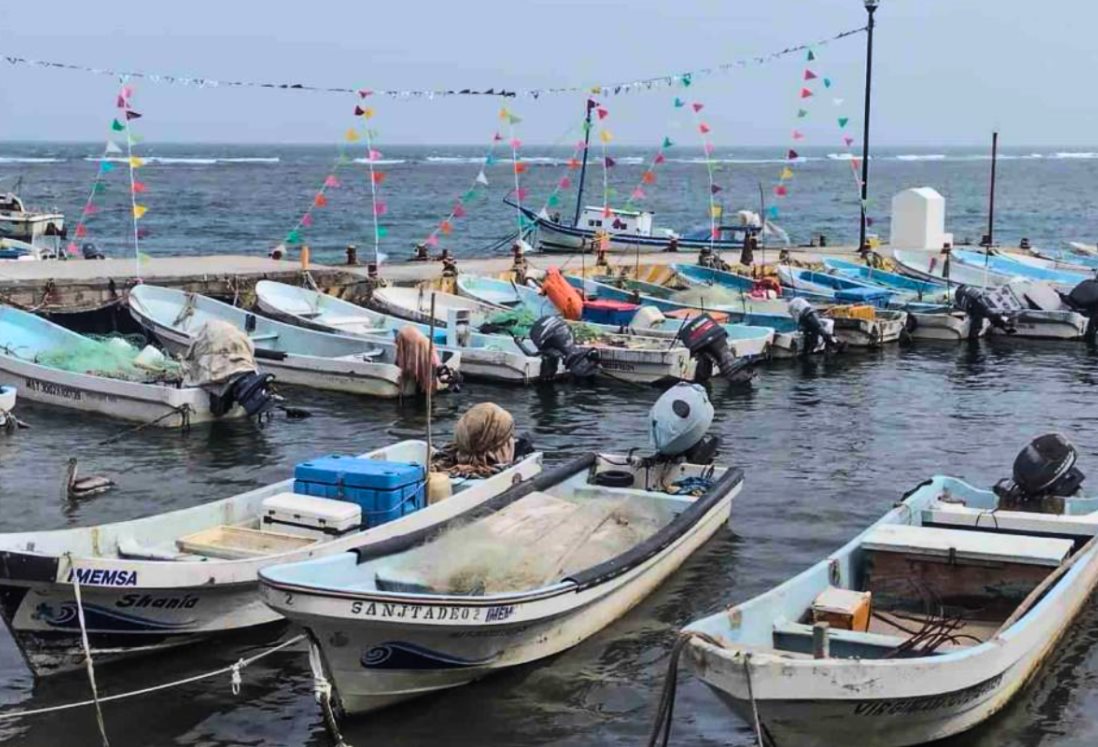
384	490
871	296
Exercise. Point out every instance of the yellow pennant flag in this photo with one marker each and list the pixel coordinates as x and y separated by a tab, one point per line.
605	136
352	136
138	211
367	112
715	211
136	163
787	173
503	113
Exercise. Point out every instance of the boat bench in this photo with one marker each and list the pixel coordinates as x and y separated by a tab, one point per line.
960	544
844	644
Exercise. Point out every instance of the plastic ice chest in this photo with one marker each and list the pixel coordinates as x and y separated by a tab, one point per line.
871	296
615	313
384	490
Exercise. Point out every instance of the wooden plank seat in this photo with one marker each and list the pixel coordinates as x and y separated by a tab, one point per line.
962	545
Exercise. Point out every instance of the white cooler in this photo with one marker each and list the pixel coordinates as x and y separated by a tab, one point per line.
308	516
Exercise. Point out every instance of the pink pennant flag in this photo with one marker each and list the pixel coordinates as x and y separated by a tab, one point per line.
781	190
659	158
564	183
307	220
698	107
798	135
703	128
607	212
581	145
90	209
855	163
72	248
516	143
848	140
126	92
638	194
805	93
138	187
374	155
715	232
364	92
121	102
331	181
81	230
458	211
380	208
809	75
522	193
432	240
497	137
602	113
708	148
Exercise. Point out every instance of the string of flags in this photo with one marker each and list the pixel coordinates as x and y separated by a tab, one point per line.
683	79
707	148
807	95
320	198
648	176
134	163
461	204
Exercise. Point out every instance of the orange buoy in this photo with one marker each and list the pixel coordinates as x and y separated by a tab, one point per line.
566	298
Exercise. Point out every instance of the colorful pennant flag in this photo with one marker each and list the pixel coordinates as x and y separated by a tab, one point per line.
139	211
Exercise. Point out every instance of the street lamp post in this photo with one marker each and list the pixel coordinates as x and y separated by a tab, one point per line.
870	8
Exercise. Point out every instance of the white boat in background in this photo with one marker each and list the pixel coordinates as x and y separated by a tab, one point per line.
560	557
184	576
299	356
51	365
14	250
953	326
924	625
489	357
1089	250
414	304
16	222
931	264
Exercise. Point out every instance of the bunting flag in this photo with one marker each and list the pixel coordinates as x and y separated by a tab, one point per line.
809	75
459	210
130	114
139	212
118	126
781	189
572	164
806	93
707	149
509	118
112	147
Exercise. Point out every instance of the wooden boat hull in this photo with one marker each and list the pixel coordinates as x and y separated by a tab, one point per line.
378	653
134	606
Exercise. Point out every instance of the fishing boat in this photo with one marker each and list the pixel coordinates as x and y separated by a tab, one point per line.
17	222
748	289
1084	249
932	265
23	251
490	357
1034	310
928	291
1064	259
303	357
51	365
870	328
7	405
1012	267
180	577
921	627
951	326
824	288
542	567
414	304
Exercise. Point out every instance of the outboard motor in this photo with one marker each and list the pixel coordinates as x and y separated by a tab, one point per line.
707	342
679	423
811	326
556	344
1084	299
252	391
1045	469
975	303
90	251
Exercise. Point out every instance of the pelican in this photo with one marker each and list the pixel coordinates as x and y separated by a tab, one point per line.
84	487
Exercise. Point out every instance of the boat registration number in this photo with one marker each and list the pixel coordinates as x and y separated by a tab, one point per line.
435	612
930	703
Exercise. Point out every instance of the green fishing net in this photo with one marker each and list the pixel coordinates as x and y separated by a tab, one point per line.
517	322
111	356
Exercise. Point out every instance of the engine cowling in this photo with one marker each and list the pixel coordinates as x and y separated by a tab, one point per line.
555	343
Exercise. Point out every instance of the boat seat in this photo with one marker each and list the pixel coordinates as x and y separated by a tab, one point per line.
783	627
133	549
960	544
236	543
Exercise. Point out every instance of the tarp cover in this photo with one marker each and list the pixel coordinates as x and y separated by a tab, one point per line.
219	352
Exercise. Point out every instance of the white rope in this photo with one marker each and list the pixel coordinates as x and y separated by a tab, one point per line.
239	665
322	691
87	651
751	696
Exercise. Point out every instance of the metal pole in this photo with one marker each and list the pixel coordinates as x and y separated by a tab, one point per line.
583	167
870	8
991	198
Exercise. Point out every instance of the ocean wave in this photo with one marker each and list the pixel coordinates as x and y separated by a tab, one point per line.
255	159
185	160
739	160
29	159
1075	154
381	161
921	157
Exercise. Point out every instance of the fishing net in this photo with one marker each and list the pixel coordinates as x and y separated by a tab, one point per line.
517	322
111	356
708	297
535	541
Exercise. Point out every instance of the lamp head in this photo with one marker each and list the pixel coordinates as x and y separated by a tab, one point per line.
871	5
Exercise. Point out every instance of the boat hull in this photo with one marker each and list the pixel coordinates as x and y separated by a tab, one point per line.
1047	325
950	327
870	333
380	654
29	226
558	239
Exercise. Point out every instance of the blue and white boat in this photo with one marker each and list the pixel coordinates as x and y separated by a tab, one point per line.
1011	267
490	357
921	627
832	289
928	291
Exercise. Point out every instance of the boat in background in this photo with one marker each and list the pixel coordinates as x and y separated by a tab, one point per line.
57	367
1087	250
298	356
921	627
824	288
180	577
17	222
932	264
950	325
7	405
414	304
490	357
927	291
1032	269
865	326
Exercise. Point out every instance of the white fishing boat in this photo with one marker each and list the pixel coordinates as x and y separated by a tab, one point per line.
924	625
931	265
51	365
1084	249
953	326
14	250
1034	309
544	566
879	327
489	357
180	577
16	222
414	304
303	357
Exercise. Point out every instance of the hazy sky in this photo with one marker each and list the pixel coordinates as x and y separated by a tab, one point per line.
947	71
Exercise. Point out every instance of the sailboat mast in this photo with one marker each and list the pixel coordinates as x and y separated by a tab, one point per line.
583	166
991	196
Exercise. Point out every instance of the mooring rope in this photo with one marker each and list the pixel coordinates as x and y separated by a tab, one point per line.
87	651
183	411
322	691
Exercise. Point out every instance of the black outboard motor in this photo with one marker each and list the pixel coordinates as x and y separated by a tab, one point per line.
974	302
707	342
90	251
1084	299
1044	469
811	326
252	391
556	344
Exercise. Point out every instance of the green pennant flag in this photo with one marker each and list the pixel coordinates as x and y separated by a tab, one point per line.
382	231
827	82
686	80
679	103
586	125
142	257
512	119
525	222
117	126
667	143
843	121
470	195
802	113
611	192
489	160
553	200
293	237
630	206
99	188
810	56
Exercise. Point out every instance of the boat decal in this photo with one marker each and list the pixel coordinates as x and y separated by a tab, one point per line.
53	390
103	577
399	655
956	699
437	612
100	619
